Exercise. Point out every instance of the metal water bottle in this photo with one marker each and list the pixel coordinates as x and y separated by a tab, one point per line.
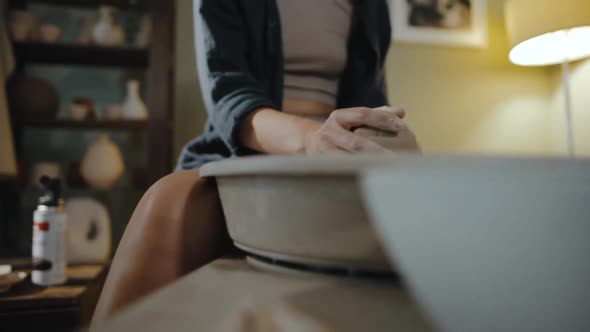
50	235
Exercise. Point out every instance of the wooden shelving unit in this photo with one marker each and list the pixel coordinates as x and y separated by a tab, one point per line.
76	55
121	4
83	125
157	64
157	61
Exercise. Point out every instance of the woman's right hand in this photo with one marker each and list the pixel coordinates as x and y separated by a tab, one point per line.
335	135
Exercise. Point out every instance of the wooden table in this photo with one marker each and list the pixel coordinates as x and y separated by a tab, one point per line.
68	306
215	298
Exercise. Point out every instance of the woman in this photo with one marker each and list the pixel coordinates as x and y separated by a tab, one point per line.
270	69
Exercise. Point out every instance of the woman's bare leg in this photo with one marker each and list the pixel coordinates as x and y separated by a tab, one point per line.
177	227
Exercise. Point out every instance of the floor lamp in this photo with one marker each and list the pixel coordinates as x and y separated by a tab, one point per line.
550	32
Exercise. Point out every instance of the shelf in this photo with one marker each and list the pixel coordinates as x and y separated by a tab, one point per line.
69	54
70	192
91	124
121	4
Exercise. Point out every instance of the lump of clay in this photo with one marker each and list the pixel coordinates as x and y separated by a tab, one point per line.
404	140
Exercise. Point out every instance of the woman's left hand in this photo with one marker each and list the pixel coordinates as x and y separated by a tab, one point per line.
402	140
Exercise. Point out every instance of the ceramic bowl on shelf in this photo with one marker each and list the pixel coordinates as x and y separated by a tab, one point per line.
489	244
49	33
81	109
305	210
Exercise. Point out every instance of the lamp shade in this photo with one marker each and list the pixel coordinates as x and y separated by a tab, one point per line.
547	32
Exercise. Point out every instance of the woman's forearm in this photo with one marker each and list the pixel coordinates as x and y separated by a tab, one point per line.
273	132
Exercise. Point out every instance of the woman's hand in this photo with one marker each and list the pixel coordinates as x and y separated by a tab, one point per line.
336	136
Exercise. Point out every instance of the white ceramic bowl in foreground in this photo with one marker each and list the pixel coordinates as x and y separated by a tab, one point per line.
301	209
488	244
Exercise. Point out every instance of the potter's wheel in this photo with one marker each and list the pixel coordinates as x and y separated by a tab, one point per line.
289	266
312	265
306	211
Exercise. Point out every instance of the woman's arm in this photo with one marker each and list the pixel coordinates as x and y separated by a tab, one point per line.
229	89
267	130
242	113
270	131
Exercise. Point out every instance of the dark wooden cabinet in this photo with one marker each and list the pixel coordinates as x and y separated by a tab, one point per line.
65	308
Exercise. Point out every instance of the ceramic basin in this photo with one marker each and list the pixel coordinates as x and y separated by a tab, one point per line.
301	209
489	244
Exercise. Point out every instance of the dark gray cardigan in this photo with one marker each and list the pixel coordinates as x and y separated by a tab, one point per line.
240	61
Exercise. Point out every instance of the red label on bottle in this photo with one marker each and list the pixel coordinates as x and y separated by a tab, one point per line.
42	226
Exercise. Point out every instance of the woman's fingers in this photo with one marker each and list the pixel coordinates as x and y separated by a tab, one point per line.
399	111
349	142
336	136
374	118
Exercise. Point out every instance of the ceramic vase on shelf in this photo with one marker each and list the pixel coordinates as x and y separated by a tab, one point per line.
85	35
133	107
103	164
144	36
89	231
50	33
106	32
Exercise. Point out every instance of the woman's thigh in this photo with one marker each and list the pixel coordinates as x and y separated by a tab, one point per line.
180	218
177	227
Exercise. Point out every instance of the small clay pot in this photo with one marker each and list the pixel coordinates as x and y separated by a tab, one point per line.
82	109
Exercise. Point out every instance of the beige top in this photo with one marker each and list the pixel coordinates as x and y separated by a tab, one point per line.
315	36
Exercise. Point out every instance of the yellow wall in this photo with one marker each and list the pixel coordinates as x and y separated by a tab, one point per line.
459	99
472	100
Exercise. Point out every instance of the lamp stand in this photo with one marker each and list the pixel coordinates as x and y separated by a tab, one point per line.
565	75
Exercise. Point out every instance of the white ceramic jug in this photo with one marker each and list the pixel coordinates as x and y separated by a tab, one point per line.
106	32
133	107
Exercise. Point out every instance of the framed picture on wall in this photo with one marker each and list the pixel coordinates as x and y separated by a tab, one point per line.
440	22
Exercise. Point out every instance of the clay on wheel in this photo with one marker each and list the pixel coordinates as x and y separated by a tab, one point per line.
405	140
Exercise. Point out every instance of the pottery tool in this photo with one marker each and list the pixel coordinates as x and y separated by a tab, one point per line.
25	265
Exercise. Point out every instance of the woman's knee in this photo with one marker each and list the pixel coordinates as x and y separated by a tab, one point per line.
181	207
184	210
170	196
